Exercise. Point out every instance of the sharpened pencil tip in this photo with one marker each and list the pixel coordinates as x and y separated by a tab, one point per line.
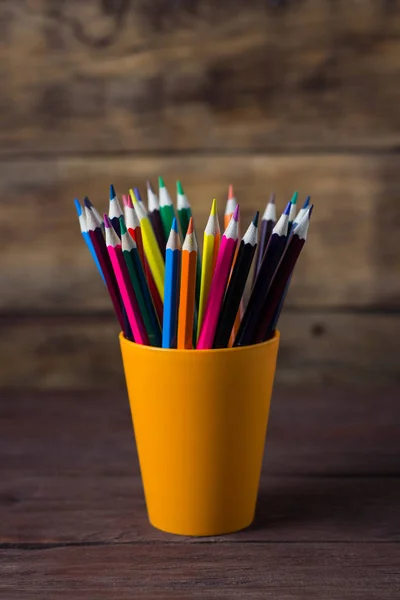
78	207
122	225
307	202
287	209
230	192
112	192
272	198
294	198
125	199
149	186
132	195
161	183
107	222
87	202
174	225
190	227
137	194
255	220
179	188
236	213
213	208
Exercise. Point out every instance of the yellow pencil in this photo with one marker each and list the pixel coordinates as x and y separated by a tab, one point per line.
151	247
211	240
187	289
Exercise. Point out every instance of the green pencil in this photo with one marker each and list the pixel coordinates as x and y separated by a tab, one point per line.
183	208
167	212
140	287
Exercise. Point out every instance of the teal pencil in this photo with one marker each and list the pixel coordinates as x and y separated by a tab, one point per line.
167	212
171	288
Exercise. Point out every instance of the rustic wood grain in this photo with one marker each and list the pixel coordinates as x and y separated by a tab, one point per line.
284	571
175	76
70	473
83	352
351	258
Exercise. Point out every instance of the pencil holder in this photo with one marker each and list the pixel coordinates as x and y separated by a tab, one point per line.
200	419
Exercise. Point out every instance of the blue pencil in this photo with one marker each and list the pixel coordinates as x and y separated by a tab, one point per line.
86	236
171	288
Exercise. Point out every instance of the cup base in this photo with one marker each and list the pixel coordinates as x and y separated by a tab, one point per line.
202	532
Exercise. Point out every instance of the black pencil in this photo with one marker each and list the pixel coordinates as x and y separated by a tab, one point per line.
155	218
266	226
282	276
236	285
271	258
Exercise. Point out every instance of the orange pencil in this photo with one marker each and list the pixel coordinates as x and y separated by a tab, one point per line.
229	210
187	289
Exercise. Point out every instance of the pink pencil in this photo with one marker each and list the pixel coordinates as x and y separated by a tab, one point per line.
218	285
124	283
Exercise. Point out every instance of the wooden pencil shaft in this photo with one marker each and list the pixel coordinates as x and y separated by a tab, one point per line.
184	215
116	225
171	295
128	295
155	219
100	248
234	294
143	297
167	215
277	288
187	299
259	292
265	234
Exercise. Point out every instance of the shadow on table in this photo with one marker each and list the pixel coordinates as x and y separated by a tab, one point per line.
308	507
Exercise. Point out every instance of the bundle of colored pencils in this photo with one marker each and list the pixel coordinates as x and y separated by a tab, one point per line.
165	295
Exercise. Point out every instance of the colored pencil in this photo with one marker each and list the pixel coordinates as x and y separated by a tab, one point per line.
167	211
187	289
236	286
97	217
211	241
115	210
99	245
139	199
86	236
302	211
133	226
284	272
218	284
155	218
267	224
151	248
140	286
184	215
229	210
114	249
171	288
132	223
299	216
183	209
293	210
230	207
272	256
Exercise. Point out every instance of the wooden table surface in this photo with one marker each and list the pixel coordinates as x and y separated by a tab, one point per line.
73	521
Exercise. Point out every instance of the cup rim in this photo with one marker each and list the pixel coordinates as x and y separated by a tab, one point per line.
213	351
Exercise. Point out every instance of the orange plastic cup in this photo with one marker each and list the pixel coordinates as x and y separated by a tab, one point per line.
200	419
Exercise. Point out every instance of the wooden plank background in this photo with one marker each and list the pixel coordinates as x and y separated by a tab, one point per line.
267	95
